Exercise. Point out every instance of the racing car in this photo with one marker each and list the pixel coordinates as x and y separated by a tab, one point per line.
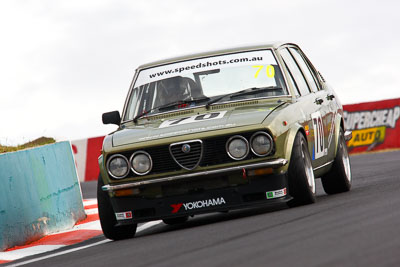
218	131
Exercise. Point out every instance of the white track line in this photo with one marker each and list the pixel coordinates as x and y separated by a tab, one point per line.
32	250
60	253
24	252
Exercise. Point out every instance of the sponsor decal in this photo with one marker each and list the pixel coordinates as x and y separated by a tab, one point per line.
276	194
176	207
191	119
123	215
264	58
319	142
307	128
372	118
369	127
198	204
367	137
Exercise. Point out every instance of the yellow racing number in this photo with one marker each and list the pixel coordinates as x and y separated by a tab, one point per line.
258	71
270	70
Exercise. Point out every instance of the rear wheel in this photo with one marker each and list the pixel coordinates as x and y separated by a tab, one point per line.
301	174
338	179
107	217
177	220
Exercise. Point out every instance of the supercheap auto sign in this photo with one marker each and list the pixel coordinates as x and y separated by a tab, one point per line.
375	125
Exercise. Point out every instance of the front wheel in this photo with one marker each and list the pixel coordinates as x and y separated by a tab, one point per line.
107	217
301	174
338	179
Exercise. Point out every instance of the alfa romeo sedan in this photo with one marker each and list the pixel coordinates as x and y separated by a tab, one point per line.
217	131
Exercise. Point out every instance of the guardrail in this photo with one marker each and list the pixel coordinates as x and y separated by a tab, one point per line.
39	193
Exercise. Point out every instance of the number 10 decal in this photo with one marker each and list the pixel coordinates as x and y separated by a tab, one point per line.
319	145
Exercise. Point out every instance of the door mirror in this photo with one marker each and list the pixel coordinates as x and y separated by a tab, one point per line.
112	117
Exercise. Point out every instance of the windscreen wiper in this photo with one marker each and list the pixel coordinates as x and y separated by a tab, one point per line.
169	105
256	90
248	91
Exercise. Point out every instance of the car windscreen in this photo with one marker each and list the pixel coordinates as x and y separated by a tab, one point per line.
191	83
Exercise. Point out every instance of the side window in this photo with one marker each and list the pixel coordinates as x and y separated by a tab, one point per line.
295	71
293	82
305	68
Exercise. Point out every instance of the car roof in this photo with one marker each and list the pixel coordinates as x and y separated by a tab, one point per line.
273	45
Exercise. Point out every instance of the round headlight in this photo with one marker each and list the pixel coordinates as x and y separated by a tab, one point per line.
141	163
261	144
237	147
118	166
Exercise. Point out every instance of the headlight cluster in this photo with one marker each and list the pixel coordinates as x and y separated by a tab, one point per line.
140	163
238	147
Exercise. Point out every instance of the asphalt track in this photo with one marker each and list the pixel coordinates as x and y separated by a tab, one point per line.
358	228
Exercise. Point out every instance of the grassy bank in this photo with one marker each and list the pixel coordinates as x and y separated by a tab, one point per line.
37	142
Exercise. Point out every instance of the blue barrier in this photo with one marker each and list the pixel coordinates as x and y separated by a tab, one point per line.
39	194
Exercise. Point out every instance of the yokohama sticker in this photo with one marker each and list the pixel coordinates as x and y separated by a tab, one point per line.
198	204
123	215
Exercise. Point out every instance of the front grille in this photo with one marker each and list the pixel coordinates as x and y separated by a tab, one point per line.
207	152
187	154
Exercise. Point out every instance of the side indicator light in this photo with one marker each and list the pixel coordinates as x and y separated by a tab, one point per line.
126	192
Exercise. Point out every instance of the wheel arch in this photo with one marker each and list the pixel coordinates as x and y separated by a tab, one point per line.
290	137
339	124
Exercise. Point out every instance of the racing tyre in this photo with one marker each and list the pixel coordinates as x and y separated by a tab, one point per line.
338	179
177	220
107	217
301	175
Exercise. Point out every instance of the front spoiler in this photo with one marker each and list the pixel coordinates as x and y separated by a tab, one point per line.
252	194
275	163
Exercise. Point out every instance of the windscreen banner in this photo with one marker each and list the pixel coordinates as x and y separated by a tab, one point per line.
375	125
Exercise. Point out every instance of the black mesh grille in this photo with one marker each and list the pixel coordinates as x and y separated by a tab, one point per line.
190	159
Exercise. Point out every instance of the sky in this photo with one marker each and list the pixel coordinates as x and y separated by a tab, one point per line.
64	63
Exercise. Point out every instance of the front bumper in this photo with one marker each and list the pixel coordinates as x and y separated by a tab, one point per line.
274	163
251	194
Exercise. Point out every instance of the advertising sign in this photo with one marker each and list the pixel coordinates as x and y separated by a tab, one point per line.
375	125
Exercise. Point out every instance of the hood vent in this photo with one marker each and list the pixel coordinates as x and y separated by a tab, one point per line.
172	114
234	105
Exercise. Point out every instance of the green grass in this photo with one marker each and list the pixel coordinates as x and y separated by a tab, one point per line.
37	142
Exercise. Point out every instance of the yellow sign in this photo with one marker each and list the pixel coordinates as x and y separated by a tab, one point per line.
368	136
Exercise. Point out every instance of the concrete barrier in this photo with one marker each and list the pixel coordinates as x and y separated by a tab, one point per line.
39	193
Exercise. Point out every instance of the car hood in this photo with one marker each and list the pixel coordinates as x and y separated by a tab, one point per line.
189	124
